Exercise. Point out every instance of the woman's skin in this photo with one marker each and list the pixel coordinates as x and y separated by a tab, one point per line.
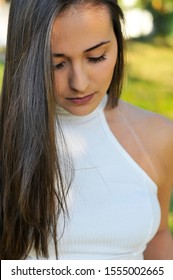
84	49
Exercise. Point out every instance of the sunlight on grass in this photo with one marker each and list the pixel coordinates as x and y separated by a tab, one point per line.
170	222
149	82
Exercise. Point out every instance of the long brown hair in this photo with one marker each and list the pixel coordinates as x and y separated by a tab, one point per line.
32	188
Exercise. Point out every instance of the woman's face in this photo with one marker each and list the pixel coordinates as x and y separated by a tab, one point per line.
84	50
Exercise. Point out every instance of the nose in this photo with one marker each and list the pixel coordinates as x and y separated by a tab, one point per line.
78	80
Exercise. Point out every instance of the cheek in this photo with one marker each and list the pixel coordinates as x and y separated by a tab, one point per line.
58	83
111	66
106	72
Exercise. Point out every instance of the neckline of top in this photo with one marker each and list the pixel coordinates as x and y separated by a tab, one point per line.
63	114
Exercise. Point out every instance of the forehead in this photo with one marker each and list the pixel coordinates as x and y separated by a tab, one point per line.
81	26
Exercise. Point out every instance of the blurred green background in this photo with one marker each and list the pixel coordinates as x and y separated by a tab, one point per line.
149	70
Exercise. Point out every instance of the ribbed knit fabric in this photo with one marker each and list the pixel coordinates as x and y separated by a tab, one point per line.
112	203
113	206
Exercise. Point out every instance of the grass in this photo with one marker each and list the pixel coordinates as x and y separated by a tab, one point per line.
149	80
170	219
170	222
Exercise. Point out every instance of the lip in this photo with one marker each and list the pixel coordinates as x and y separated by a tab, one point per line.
81	100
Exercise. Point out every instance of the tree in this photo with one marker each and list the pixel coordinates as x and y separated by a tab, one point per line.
162	11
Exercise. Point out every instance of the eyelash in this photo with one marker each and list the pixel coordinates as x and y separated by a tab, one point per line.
97	59
59	66
93	60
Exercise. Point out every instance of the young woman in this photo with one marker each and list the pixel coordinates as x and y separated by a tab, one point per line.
84	175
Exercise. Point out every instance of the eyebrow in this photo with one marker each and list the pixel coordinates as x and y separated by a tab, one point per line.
88	50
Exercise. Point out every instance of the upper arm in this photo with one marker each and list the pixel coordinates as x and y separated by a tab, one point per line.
165	187
161	246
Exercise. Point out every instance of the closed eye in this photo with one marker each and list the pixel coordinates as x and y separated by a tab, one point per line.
97	59
93	60
59	65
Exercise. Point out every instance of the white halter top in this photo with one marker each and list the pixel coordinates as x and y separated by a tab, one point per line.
112	202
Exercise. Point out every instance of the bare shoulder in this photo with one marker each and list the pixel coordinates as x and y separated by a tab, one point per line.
155	124
156	133
153	132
